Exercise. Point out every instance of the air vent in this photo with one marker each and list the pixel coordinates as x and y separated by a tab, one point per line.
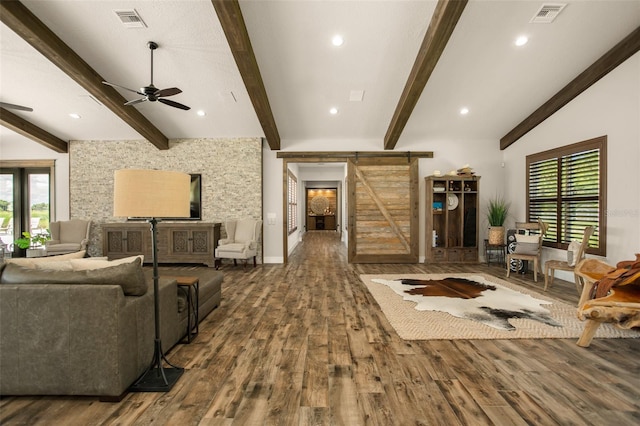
547	13
356	95
130	18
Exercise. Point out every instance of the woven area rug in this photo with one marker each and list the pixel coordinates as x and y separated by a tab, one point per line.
412	324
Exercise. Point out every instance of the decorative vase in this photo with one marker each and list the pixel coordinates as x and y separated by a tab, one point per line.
496	235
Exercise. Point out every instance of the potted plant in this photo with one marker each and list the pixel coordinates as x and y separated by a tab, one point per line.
33	244
497	212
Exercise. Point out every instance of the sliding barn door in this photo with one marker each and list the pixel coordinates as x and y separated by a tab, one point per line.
383	210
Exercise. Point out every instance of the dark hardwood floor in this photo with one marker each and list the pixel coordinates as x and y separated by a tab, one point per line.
305	343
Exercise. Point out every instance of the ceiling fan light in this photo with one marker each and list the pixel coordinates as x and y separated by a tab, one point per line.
337	40
201	113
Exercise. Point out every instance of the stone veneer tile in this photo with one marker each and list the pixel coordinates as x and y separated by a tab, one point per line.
231	172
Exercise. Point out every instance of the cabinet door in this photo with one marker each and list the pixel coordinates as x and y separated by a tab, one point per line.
197	241
120	242
180	239
201	241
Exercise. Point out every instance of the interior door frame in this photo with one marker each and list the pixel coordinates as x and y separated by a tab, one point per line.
330	157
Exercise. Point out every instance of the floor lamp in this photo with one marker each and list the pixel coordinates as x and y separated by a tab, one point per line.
153	194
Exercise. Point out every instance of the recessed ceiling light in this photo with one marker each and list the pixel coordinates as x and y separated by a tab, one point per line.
337	40
333	111
201	113
74	115
464	111
522	40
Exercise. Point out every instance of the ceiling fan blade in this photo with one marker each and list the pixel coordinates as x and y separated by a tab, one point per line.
174	104
136	101
16	107
168	92
122	87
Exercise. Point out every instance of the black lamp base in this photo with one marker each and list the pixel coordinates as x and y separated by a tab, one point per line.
154	381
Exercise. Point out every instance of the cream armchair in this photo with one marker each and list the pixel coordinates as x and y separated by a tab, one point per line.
241	242
68	236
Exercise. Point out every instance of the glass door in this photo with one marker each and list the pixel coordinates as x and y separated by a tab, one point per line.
7	228
25	203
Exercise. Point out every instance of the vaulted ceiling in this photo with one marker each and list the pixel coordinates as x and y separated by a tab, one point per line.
267	68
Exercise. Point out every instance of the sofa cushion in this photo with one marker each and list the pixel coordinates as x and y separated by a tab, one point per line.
129	276
32	261
103	262
233	248
61	265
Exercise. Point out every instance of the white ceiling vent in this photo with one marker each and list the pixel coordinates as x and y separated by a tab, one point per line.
356	95
130	18
547	13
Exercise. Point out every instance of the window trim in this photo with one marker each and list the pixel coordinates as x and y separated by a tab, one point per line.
292	203
599	143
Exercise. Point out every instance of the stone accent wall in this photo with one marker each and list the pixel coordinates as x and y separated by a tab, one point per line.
231	172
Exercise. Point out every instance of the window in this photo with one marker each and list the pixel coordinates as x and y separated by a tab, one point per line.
26	196
292	202
567	189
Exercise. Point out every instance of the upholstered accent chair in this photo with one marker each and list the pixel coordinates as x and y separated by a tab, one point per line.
241	242
68	236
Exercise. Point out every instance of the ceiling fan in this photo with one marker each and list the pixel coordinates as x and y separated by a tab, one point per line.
151	93
16	107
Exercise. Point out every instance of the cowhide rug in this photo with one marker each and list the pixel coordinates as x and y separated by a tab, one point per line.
490	304
474	306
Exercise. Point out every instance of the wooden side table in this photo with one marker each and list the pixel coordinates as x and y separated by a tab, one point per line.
191	287
498	250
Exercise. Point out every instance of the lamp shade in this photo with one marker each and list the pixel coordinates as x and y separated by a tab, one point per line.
151	193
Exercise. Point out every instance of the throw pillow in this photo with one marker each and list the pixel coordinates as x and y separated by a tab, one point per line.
129	276
527	244
572	253
89	263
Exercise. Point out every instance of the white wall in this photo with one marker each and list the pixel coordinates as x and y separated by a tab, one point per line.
610	107
20	148
272	203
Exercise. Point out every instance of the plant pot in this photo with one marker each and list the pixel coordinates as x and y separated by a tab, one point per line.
496	235
38	252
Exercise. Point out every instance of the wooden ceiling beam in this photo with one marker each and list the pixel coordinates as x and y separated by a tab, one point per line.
235	30
24	23
622	51
443	22
31	131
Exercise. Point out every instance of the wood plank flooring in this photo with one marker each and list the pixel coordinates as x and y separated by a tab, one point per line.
306	344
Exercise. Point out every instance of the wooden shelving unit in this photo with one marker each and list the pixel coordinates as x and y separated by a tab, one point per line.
452	212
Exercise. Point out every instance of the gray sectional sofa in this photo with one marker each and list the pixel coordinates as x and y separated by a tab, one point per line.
88	331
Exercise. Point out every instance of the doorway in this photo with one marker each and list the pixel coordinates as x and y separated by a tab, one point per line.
321	209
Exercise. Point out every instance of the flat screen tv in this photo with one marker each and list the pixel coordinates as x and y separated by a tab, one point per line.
195	203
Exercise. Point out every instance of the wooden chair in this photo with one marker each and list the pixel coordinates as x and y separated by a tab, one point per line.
621	306
534	256
551	266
